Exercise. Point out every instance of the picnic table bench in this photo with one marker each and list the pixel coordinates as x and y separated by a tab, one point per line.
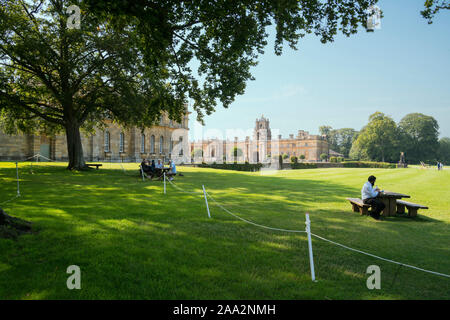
96	165
412	207
359	206
393	205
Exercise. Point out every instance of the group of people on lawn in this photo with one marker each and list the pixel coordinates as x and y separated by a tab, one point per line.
155	169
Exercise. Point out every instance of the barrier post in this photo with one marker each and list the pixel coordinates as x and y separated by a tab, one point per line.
142	173
17	173
164	182
311	258
206	201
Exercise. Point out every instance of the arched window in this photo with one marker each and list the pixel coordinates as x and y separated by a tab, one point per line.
212	153
181	149
142	143
122	142
107	141
152	144
171	146
161	144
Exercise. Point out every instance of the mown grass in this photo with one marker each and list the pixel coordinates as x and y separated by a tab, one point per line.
133	242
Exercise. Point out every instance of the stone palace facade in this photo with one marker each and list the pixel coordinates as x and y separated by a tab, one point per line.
262	147
166	140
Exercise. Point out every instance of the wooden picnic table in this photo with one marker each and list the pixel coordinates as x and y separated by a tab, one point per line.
96	165
389	198
160	172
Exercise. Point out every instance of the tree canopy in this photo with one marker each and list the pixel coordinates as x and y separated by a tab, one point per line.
339	140
53	78
432	7
225	38
378	140
444	150
420	137
132	59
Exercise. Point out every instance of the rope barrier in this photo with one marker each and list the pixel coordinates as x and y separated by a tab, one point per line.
250	222
381	258
18	186
37	156
182	190
330	241
17	196
269	228
41	156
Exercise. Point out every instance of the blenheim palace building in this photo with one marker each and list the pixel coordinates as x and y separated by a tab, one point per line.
114	143
167	140
262	147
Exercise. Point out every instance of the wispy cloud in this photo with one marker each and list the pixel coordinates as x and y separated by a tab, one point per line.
284	92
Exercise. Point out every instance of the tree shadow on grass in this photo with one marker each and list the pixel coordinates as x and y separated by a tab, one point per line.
133	242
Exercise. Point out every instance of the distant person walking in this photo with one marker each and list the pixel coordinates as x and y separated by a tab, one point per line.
369	196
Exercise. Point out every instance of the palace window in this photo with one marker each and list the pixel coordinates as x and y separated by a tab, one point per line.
107	141
142	143
161	144
171	146
121	142
152	144
181	149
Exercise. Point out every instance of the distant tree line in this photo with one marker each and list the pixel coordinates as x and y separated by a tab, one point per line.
382	139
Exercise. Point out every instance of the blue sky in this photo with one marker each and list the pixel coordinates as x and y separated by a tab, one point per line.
403	67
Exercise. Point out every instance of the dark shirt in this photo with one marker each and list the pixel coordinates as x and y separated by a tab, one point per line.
145	167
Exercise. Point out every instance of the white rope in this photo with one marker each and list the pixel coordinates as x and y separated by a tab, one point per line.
381	258
324	239
250	222
41	156
37	155
182	190
17	196
30	158
18	187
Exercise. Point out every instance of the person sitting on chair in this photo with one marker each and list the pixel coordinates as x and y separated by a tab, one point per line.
159	165
145	167
369	196
153	166
173	169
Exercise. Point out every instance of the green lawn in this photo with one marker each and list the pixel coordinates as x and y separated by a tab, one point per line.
133	242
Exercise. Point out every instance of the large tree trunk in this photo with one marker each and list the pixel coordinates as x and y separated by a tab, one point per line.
74	147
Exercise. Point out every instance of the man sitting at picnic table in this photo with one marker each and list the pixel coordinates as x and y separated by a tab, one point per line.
369	196
159	165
